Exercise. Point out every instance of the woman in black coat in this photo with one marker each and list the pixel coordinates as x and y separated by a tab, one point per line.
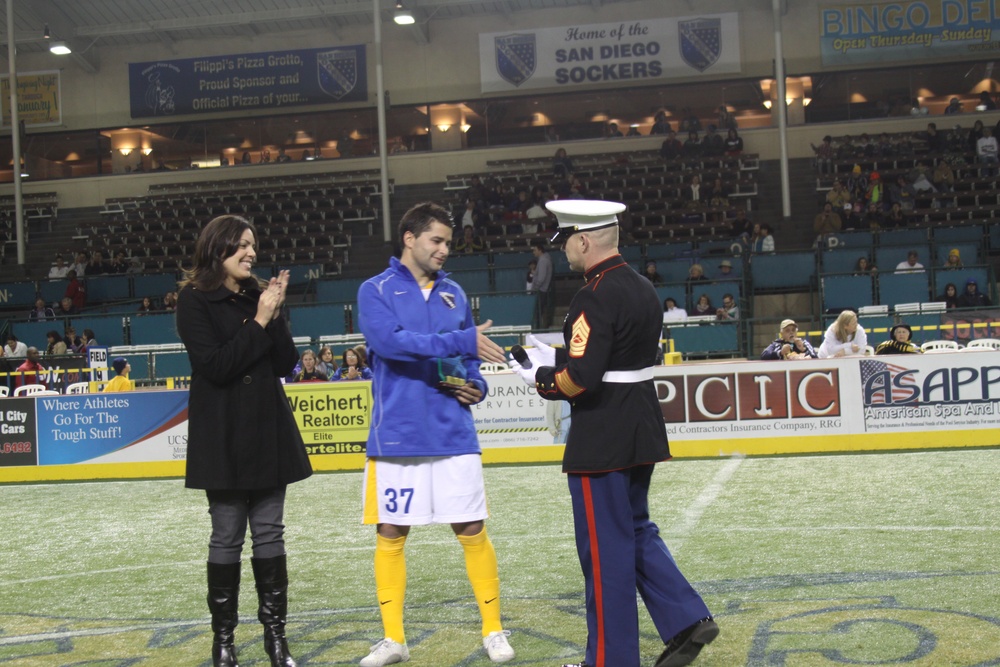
243	444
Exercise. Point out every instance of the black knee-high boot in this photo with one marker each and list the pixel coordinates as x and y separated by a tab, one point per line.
271	575
223	602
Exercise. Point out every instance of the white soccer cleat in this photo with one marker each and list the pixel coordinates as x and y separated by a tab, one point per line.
388	652
497	647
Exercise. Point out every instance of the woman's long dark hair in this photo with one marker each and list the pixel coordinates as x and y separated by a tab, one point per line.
218	241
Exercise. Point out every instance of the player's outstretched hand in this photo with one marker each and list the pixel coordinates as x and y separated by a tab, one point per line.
487	350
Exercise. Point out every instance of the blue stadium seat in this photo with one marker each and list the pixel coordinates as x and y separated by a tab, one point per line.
107	288
465	262
108	329
153	285
888	257
632	253
513	279
316	321
23	294
339	290
896	288
507	309
957	234
846	292
50	290
941	277
477	281
787	270
674	270
915	236
719	338
153	329
32	334
505	259
658	251
844	260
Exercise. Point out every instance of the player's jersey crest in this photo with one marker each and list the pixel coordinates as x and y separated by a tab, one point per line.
700	42
449	299
337	71
515	57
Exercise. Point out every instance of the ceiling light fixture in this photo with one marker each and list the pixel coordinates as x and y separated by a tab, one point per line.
403	16
60	49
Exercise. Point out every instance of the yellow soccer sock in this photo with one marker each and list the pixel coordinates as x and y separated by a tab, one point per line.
481	565
390	584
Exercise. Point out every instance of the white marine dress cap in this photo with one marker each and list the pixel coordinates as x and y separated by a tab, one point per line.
583	215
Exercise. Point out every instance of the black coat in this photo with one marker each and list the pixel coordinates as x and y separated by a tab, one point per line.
241	432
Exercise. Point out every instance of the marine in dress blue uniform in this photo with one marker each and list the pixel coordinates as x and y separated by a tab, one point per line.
612	333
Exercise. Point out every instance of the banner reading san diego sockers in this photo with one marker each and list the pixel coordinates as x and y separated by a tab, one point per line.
867	32
638	52
268	80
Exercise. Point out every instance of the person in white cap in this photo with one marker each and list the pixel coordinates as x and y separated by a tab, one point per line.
788	344
612	334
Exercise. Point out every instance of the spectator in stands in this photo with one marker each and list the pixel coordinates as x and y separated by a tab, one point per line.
920	177
282	156
562	164
954	106
633	131
652	274
265	156
120	381
910	264
788	344
864	267
727	121
729	309
146	307
950	296
134	266
31	371
613	132
954	259
696	274
734	143
537	216
660	123
470	241
73	342
885	147
59	269
309	371
986	102
671	313
694	195
825	154
703	307
943	176
838	196
79	265
857	183
470	215
972	297
66	308
918	109
955	142
900	342
844	338
741	226
692	147
97	266
170	301
713	144
14	348
41	311
246	159
354	366
933	138
55	345
975	134
826	223
876	191
326	363
726	270
873	218
671	148
690	121
532	266
119	264
986	153
903	193
718	189
542	285
89	341
764	241
895	218
75	292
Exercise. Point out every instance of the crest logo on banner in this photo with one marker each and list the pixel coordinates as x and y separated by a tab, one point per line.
516	57
160	92
700	42
337	71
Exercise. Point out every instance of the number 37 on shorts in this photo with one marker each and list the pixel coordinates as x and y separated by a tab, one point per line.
421	490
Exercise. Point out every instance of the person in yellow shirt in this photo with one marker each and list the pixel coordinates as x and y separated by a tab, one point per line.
120	381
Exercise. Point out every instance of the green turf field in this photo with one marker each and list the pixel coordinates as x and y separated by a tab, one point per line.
879	559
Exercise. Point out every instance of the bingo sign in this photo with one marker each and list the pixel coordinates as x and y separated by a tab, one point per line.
643	52
269	80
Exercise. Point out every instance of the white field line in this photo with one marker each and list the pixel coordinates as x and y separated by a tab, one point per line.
693	513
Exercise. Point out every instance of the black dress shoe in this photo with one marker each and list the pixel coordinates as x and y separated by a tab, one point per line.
687	644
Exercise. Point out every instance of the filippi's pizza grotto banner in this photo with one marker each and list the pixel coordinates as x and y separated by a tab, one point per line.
610	53
269	80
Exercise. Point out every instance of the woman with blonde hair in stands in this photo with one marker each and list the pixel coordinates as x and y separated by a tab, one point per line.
844	338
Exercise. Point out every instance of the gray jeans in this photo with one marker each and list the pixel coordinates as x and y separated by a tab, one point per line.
263	509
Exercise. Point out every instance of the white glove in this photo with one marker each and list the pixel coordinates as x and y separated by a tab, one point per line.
527	374
546	353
